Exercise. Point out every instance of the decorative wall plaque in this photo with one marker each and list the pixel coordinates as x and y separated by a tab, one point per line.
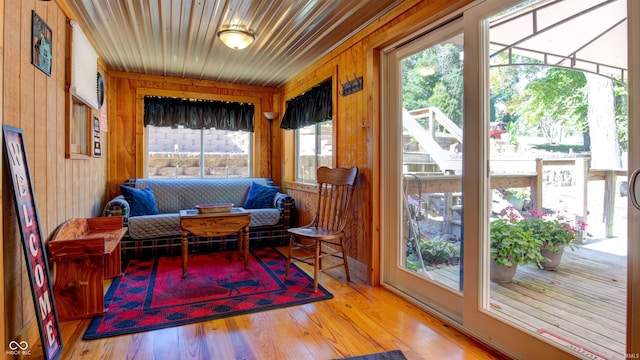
33	243
97	144
41	49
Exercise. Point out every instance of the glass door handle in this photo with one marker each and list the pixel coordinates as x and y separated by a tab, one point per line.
633	195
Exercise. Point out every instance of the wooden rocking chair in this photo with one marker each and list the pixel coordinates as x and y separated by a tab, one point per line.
335	190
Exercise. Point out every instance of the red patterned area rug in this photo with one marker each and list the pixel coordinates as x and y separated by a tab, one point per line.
153	295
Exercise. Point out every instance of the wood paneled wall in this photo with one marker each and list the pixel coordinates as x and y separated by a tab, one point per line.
357	122
79	188
3	336
125	98
63	188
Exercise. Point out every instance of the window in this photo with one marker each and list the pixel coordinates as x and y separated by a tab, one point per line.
196	138
83	99
310	115
78	132
179	152
314	148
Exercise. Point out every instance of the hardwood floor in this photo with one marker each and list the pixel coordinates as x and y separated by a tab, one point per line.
358	320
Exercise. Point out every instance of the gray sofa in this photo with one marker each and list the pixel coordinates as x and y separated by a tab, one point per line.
159	234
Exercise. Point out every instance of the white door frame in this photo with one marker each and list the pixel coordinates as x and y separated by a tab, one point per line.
427	293
476	320
633	215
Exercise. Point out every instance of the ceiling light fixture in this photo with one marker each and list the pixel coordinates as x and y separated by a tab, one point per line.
236	38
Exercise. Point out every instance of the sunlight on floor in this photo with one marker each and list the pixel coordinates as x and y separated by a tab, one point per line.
615	246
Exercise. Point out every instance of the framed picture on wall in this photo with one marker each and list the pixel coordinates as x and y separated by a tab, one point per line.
97	144
41	55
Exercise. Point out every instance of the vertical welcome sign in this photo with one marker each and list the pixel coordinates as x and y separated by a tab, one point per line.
32	243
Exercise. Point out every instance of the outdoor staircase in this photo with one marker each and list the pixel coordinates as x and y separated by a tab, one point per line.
440	144
441	131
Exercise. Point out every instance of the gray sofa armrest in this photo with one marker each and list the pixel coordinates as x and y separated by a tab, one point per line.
287	206
118	206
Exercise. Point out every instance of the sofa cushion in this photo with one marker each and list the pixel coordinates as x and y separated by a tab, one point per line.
260	196
156	226
264	217
141	202
173	195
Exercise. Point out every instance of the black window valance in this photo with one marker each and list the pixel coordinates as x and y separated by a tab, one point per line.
198	114
310	108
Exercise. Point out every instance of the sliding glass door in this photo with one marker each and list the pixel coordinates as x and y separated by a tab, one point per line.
555	177
423	170
534	146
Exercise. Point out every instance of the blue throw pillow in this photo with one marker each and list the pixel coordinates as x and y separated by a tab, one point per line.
260	196
141	202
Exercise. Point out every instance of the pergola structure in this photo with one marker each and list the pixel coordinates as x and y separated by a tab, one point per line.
588	35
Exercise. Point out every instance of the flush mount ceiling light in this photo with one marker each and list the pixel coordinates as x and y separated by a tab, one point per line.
236	38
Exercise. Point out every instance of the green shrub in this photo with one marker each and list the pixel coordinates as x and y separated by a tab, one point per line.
438	251
511	244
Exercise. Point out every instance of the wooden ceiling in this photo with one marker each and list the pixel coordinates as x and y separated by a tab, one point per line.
178	37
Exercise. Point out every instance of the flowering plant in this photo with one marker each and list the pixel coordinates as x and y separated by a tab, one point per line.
510	244
553	229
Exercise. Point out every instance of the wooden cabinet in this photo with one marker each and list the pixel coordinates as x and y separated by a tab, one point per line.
84	253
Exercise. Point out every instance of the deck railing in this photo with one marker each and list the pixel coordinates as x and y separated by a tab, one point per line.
530	174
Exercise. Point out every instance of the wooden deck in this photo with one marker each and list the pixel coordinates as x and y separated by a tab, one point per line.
583	301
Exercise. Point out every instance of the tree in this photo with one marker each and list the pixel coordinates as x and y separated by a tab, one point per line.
506	83
622	113
444	101
602	123
433	78
556	102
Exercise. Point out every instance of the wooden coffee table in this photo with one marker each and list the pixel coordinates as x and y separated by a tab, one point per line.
215	224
